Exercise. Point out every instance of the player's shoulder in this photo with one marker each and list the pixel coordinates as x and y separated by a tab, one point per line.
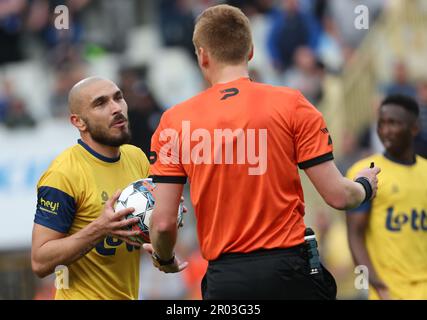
371	158
185	105
257	88
66	160
134	153
377	158
131	149
420	160
284	94
280	90
64	167
291	99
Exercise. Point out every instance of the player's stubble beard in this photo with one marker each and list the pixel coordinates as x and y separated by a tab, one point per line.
101	133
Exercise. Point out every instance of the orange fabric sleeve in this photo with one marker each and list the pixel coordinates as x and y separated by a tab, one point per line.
165	153
313	144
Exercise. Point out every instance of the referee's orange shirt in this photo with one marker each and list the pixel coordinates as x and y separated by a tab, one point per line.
239	143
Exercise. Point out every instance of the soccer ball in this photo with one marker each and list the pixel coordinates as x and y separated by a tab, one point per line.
138	195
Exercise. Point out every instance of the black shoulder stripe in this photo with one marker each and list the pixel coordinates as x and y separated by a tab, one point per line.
169	179
315	161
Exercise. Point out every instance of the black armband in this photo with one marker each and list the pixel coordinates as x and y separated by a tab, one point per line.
367	186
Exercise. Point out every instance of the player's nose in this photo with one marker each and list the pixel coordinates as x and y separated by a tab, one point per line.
116	107
387	130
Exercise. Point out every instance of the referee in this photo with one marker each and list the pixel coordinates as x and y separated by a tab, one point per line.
239	143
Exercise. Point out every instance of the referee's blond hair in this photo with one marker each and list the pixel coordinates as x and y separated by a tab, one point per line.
224	31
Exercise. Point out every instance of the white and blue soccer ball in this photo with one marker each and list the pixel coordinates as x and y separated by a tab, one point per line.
139	195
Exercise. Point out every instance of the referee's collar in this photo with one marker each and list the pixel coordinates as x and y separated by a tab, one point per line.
96	154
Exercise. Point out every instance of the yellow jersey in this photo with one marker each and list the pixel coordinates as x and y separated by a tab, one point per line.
396	236
71	194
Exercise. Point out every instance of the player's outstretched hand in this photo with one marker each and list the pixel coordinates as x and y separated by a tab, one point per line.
176	266
371	175
111	223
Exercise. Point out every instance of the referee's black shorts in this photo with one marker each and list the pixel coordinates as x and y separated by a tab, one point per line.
266	275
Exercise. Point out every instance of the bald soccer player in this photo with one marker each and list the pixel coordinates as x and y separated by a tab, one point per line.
75	224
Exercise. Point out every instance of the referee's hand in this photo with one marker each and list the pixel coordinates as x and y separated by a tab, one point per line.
176	266
370	174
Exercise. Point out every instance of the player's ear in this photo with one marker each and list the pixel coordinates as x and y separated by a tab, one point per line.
416	128
251	53
203	57
78	122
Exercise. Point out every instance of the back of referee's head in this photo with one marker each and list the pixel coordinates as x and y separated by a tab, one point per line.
224	31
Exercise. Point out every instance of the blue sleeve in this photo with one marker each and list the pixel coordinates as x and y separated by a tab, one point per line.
365	207
55	209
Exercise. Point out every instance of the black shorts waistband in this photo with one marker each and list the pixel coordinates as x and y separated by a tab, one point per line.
291	251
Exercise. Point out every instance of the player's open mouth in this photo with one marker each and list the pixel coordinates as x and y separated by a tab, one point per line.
388	142
119	124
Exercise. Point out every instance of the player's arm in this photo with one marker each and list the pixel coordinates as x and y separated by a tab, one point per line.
339	192
163	227
169	176
314	154
51	248
357	223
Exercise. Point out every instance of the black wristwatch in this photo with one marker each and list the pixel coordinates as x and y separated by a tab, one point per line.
163	262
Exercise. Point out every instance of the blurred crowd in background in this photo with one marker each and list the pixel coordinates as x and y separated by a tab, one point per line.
146	47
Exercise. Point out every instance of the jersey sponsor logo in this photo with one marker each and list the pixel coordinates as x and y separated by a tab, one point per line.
199	146
49	206
230	92
104	197
108	246
326	131
416	220
394	189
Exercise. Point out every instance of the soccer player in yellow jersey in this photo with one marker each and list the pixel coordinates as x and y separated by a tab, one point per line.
389	233
75	224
